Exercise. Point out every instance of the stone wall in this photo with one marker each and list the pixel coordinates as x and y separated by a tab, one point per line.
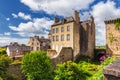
15	69
66	54
51	53
112	71
112	39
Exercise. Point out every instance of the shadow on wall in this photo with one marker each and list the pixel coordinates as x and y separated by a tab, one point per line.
84	40
109	52
65	54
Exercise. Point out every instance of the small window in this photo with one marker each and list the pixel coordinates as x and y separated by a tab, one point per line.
68	28
68	37
62	29
32	39
31	48
53	31
53	38
37	48
62	37
56	30
57	38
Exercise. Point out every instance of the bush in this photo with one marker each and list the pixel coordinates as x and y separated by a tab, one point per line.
3	51
70	71
37	66
99	75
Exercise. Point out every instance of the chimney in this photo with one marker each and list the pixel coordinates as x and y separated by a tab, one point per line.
92	19
56	20
76	16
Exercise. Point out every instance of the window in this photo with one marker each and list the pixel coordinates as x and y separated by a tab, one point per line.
68	37
32	39
68	28
62	37
53	31
37	43
53	38
31	48
57	38
37	48
56	30
62	29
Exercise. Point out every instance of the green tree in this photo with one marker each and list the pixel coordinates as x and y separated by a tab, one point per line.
37	66
4	64
70	71
2	51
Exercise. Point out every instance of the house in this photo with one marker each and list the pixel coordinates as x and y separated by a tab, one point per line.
71	32
112	37
15	50
37	43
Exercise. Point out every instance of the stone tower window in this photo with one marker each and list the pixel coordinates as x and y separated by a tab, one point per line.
56	30
68	28
68	37
57	38
53	31
53	38
62	29
62	37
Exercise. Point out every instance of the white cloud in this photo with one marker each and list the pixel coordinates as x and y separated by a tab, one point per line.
14	15
7	40
59	7
39	26
7	19
102	11
22	15
85	16
7	33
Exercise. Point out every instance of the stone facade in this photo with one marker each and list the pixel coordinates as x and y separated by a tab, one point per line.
112	38
37	43
14	50
71	32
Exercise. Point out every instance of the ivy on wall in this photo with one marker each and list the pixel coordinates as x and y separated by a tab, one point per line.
117	24
111	37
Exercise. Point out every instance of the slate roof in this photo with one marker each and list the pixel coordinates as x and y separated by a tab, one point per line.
64	20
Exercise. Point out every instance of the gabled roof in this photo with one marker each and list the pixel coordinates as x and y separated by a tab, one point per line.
18	48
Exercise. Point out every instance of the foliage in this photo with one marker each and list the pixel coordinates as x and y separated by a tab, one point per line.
117	24
36	66
3	51
4	64
88	67
111	37
83	58
16	62
99	75
70	71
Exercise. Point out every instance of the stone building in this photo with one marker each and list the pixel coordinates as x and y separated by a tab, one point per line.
14	50
112	38
37	43
71	32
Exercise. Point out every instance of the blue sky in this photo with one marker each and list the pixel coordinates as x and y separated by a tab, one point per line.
20	19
